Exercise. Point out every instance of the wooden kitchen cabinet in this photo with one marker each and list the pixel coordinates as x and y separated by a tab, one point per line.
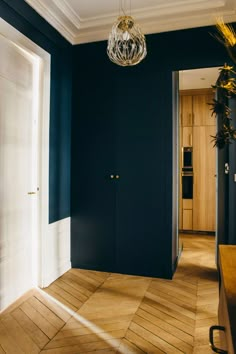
204	187
187	214
196	131
201	110
195	108
187	136
186	110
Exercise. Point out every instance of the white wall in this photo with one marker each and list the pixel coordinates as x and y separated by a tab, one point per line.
56	255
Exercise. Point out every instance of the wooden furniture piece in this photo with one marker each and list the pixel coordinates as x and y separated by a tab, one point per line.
196	131
227	301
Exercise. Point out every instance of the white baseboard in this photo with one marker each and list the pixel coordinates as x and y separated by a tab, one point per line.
57	258
50	278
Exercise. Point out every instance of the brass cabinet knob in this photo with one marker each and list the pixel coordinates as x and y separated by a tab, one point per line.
117	176
112	176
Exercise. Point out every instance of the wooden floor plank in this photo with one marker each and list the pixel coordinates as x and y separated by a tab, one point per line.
75	322
61	299
51	303
76	283
40	321
69	298
46	312
129	348
98	277
170	304
203	349
159	323
155	340
29	326
206	311
206	322
180	290
85	339
146	306
19	335
68	286
8	344
102	351
168	310
85	348
105	327
142	343
186	285
186	303
83	280
161	336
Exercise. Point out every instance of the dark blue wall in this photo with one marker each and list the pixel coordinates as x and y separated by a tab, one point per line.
122	122
26	20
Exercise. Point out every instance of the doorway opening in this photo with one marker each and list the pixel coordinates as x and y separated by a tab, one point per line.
197	180
24	151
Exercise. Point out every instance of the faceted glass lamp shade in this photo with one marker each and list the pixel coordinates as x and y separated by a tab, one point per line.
126	43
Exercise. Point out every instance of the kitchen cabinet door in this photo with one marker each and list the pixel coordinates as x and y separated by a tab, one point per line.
204	187
187	136
201	110
186	110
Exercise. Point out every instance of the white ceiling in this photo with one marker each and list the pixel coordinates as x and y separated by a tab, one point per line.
198	78
82	21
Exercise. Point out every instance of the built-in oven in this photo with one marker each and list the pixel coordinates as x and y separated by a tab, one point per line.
187	172
187	185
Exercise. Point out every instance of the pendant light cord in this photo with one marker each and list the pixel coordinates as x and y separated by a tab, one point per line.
122	7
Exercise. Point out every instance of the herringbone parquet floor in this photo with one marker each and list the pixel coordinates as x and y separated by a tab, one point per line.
94	312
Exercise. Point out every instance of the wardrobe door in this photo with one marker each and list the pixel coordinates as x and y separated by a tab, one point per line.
139	195
93	189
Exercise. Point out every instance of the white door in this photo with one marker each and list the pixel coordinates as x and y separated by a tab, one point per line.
18	171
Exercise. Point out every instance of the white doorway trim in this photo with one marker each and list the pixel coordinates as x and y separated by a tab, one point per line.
44	117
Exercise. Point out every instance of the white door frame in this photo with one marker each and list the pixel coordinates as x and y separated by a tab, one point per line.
44	117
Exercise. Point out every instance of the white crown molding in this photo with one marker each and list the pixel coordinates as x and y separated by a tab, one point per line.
165	9
69	12
151	26
168	16
52	19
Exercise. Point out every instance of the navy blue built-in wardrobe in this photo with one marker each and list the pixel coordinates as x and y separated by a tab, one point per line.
123	124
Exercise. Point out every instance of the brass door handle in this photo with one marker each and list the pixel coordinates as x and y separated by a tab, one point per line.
31	193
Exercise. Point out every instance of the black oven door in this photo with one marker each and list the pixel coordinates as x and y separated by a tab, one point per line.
187	186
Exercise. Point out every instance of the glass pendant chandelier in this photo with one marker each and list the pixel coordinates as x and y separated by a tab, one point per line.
126	43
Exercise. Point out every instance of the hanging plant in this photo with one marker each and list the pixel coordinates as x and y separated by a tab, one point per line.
227	36
226	89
